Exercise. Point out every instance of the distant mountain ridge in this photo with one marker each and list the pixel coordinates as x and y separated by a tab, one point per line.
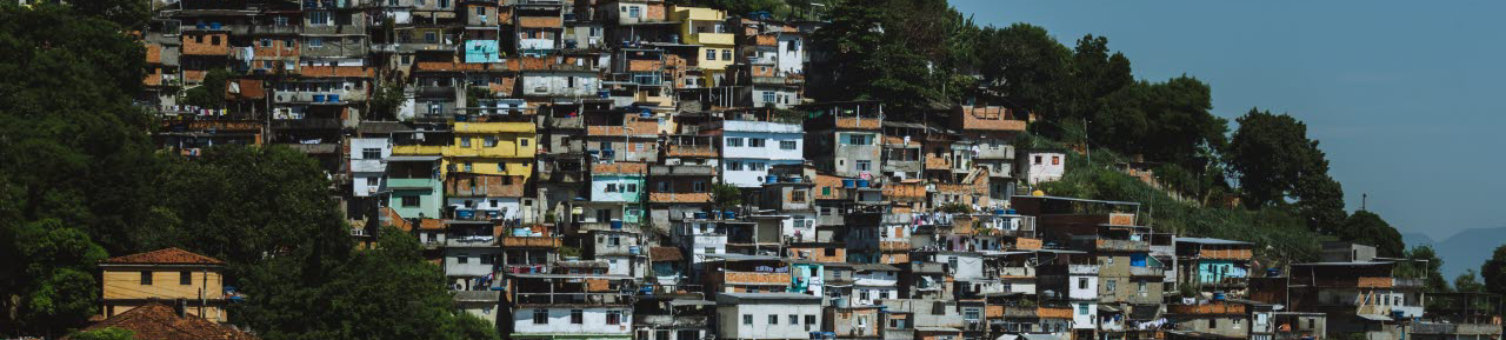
1466	250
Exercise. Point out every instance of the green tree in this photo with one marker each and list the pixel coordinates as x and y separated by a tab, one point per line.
1368	228
726	196
1494	271
1423	263
1024	65
386	101
211	92
56	286
108	333
1275	161
1468	283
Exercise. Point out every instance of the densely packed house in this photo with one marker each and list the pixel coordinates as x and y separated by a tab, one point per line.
633	169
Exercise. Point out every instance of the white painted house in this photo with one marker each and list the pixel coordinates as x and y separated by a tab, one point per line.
750	148
1043	166
368	165
767	316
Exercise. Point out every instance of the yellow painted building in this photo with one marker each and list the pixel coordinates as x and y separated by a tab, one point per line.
171	276
493	148
707	27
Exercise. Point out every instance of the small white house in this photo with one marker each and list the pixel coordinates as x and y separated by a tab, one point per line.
767	316
750	148
1043	166
368	165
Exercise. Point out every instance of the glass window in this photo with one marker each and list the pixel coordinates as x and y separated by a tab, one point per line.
788	145
185	278
773	319
734	142
577	316
316	42
726	54
462	259
748	319
768	97
371	153
710	54
146	277
540	317
614	318
863	165
755	142
857	139
489	141
410	201
465	142
794	319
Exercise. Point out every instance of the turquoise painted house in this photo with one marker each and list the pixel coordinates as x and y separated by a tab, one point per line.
415	187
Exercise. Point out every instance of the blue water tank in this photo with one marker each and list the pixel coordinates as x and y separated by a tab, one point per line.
796	179
862	183
847	183
731	215
334	98
700	215
771	179
1218	296
318	98
616	224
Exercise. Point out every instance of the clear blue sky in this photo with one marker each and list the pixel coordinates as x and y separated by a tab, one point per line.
1408	98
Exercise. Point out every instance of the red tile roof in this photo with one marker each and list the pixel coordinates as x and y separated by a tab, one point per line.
160	322
165	256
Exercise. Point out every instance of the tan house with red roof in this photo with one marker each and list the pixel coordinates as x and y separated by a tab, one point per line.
169	276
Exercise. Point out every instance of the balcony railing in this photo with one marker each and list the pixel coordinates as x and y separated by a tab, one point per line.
756	278
543	242
1121	245
588	299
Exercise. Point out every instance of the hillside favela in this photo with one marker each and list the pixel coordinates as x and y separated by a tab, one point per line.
720	170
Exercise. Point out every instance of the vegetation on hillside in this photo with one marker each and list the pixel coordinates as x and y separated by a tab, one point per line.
80	181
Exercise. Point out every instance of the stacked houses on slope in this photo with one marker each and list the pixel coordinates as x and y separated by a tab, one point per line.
634	169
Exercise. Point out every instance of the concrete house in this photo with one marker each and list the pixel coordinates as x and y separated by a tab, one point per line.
750	148
843	138
193	282
767	316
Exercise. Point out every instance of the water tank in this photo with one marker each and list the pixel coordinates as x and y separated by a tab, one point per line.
700	215
862	183
731	215
847	183
771	179
616	224
1218	296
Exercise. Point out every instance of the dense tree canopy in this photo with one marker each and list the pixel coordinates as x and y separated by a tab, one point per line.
1494	271
1275	161
1424	263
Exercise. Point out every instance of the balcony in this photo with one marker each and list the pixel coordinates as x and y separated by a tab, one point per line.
1082	269
995	152
1016	273
670	197
571	299
690	151
566	122
1147	271
1121	245
894	246
682	170
1208	309
306	124
724	39
755	278
470	241
1052	313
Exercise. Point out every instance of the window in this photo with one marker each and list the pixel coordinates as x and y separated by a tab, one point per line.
444	3
410	201
146	277
614	318
634	12
794	319
755	142
952	262
502	167
523	142
797	196
540	317
857	139
489	141
1082	283
319	18
1142	288
316	42
1110	285
1056	160
266	42
632	187
431	37
185	278
735	166
710	54
1082	309
615	241
787	145
810	319
468	167
734	142
726	54
825	191
768	96
280	21
214	40
465	142
373	181
709	250
611	187
1212	323
462	259
862	165
773	319
699	186
748	319
757	166
485	259
480	10
1037	160
577	316
371	153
